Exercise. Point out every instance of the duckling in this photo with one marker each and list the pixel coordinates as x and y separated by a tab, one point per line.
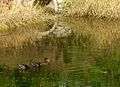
47	60
23	67
36	64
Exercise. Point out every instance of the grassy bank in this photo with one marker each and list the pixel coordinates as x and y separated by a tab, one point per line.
16	14
97	8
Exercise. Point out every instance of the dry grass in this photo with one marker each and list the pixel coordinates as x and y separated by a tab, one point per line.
24	34
97	8
16	14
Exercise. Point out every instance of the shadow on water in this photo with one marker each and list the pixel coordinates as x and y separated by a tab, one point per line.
83	53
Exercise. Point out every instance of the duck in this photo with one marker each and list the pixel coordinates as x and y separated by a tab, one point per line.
47	60
23	67
36	64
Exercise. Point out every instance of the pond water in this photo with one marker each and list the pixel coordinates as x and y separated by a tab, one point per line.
84	52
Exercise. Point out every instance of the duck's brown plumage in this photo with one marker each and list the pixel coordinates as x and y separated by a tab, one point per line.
47	60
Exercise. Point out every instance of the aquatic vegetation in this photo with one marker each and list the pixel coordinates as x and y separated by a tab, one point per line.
96	32
98	8
88	56
84	31
42	77
85	53
84	67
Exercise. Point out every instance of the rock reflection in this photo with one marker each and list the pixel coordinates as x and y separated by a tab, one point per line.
82	52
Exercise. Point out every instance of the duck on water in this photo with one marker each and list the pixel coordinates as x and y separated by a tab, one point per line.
35	64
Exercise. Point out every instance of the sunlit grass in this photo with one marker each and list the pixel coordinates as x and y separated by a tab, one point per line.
84	32
97	8
21	35
17	14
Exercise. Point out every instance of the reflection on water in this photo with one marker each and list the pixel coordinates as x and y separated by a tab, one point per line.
83	53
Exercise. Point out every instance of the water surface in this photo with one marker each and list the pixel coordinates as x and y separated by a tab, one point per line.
84	52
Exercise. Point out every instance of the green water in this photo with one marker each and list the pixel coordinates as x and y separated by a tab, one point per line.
83	53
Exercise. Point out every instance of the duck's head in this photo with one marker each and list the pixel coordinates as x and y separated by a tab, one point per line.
47	60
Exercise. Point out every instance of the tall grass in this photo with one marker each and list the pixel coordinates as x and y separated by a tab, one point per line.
97	8
98	33
17	13
23	35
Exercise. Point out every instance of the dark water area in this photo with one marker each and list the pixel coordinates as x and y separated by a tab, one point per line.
83	53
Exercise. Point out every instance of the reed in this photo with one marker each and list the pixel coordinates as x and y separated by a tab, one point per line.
16	14
97	8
